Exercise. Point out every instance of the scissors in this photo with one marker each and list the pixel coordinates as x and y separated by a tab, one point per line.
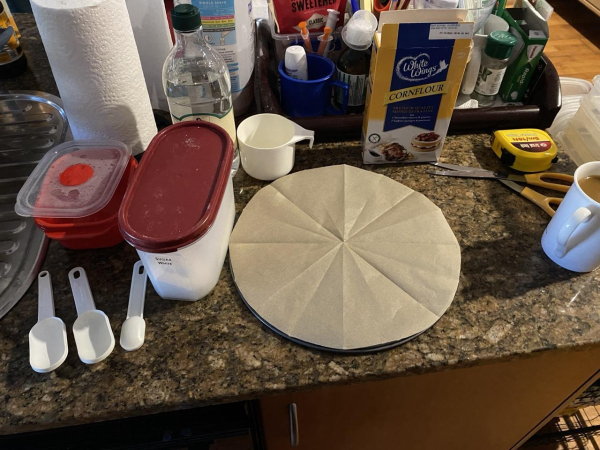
542	179
537	179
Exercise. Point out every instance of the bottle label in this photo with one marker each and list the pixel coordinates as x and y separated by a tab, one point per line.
171	270
357	88
489	80
221	31
225	121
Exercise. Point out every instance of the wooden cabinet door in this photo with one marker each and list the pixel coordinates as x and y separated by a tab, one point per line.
495	406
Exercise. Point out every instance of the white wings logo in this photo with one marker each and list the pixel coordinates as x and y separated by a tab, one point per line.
418	68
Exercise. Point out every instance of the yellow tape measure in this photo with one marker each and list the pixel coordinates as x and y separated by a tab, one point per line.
525	150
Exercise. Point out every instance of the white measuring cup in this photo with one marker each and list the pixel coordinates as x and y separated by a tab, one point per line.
93	336
268	145
134	328
48	338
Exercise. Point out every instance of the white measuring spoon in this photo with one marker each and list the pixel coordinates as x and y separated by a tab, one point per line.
134	328
93	335
48	338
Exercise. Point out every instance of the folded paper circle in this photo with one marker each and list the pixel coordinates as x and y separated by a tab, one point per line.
344	259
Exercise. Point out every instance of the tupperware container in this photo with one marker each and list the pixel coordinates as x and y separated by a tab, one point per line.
569	108
179	209
595	91
574	86
581	135
75	192
573	145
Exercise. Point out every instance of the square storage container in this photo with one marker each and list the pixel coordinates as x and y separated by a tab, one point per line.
75	192
179	209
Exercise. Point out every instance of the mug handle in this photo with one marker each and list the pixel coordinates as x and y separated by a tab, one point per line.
344	86
580	216
300	134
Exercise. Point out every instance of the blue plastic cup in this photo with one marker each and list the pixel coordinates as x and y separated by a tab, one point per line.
312	97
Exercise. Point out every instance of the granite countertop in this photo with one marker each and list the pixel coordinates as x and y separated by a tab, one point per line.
511	301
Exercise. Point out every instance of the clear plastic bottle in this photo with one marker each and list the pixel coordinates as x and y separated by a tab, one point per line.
229	27
196	78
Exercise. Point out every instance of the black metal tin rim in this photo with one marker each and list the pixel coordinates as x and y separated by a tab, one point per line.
356	351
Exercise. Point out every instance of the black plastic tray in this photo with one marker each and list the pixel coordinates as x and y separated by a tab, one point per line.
544	102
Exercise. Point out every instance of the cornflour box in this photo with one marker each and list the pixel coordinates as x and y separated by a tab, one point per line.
417	64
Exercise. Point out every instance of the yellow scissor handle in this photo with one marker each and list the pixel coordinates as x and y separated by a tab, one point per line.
541	200
544	180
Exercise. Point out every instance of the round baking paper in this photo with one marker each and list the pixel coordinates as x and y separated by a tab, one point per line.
344	259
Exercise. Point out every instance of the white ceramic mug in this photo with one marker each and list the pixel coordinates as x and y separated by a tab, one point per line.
268	144
572	238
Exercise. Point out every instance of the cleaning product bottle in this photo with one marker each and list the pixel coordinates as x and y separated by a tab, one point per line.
494	62
229	28
195	77
353	65
10	16
12	59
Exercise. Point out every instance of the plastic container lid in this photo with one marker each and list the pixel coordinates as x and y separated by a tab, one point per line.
74	179
500	44
177	189
358	32
574	86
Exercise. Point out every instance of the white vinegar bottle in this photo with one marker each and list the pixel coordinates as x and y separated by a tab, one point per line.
196	78
228	26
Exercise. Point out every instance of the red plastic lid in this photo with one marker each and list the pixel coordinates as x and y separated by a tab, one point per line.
177	190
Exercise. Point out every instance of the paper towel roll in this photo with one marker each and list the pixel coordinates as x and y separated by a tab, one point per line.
95	62
153	39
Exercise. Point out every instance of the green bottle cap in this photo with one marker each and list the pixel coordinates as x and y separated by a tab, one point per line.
185	18
500	44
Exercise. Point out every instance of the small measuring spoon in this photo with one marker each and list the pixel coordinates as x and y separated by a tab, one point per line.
48	338
93	335
134	327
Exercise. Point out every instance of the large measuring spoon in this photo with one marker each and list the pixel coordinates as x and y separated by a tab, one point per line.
93	336
134	328
48	338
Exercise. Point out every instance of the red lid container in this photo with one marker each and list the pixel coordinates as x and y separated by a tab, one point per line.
75	191
177	190
96	231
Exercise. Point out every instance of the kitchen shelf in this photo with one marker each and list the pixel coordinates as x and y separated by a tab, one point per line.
544	103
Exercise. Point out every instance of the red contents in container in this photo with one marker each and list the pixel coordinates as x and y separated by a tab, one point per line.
76	175
98	230
177	191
